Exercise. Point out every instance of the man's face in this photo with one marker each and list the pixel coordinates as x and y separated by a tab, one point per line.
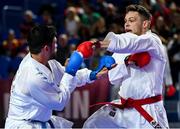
133	23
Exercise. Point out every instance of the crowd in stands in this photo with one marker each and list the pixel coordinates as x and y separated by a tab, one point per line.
86	20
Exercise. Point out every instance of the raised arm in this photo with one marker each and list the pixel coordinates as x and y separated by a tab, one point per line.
131	43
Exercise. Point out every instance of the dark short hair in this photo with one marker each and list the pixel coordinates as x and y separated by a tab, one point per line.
140	9
39	36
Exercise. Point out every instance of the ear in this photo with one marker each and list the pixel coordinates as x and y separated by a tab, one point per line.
46	48
146	24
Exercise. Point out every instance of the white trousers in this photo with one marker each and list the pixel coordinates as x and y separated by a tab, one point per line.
112	117
58	122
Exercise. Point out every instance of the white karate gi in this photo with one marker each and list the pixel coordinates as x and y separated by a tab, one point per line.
36	91
138	84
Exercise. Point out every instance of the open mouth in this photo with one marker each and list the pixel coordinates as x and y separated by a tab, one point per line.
128	30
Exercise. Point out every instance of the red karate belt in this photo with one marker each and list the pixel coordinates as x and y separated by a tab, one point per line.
137	104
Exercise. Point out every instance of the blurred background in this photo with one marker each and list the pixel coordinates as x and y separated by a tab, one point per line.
77	21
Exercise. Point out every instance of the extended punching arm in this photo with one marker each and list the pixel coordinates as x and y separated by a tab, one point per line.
84	50
105	61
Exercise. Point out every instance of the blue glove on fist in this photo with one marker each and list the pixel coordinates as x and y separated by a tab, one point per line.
74	63
105	61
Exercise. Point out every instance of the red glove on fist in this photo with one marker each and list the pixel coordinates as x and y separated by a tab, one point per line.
139	59
86	48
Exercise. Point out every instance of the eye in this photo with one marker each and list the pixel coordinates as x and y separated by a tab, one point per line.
132	19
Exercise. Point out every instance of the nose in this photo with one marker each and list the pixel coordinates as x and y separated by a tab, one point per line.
126	24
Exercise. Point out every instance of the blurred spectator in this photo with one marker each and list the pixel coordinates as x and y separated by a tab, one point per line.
62	48
161	28
147	3
170	90
89	17
84	33
159	7
27	23
175	23
47	18
100	6
72	22
172	6
72	47
112	17
10	54
99	30
174	56
11	44
47	13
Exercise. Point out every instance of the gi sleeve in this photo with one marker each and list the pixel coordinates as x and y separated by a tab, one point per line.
118	74
82	77
44	92
131	43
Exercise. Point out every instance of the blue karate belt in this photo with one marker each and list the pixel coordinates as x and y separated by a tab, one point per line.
43	124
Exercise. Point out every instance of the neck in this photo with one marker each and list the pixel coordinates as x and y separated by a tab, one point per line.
39	58
144	31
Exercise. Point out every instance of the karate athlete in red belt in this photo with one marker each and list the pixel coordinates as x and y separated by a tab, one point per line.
141	86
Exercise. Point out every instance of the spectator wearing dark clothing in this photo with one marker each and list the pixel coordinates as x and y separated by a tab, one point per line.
174	56
62	49
112	17
28	23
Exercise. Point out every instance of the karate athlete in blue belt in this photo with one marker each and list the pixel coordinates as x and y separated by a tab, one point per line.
42	84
